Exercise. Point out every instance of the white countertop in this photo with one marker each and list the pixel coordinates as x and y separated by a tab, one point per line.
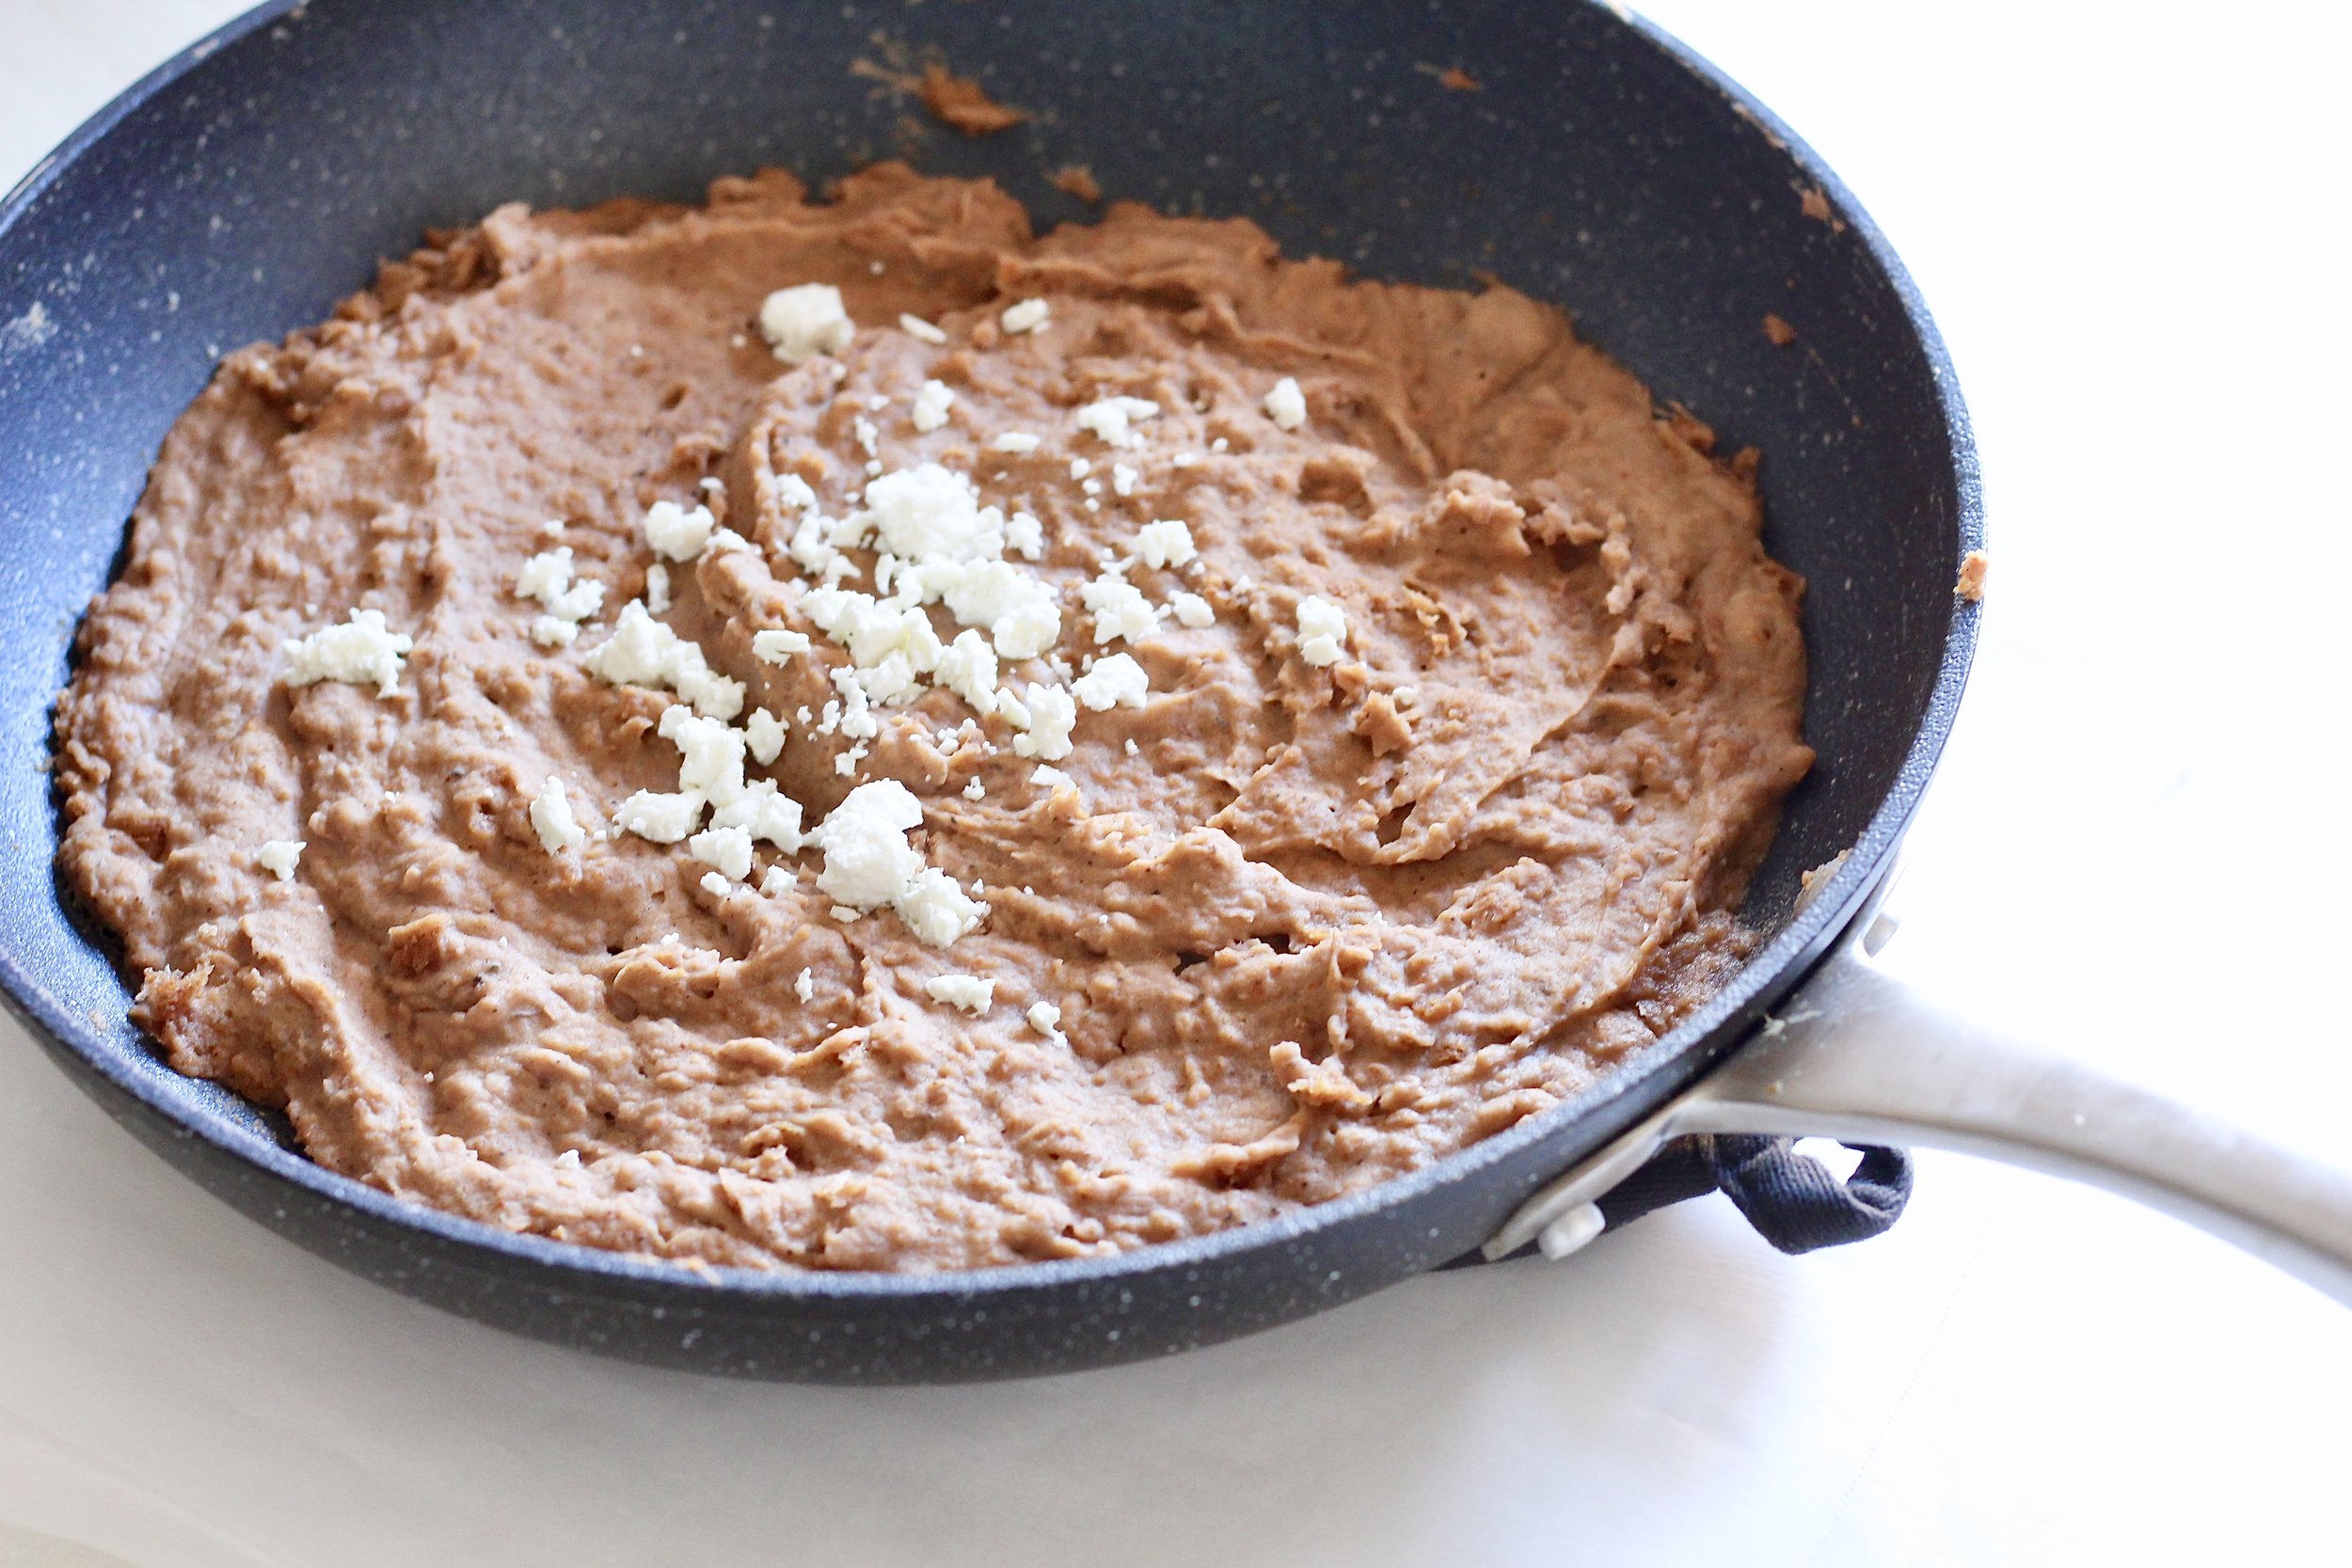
2128	227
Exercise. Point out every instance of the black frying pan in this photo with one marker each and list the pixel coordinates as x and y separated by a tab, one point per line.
239	191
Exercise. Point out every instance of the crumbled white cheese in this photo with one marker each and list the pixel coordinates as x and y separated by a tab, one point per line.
643	652
1049	777
1120	609
551	816
1122	480
578	602
976	790
868	864
661	818
929	511
857	720
1115	681
1080	468
1132	750
710	753
967	667
677	534
1052	713
544	574
937	910
764	811
869	861
930	406
363	651
813	549
1286	405
1219	445
1321	629
1405	696
916	327
1111	418
1024	534
763	736
547	577
869	435
874	630
777	645
1165	543
803	322
779	880
968	991
1018	609
1047	1020
1192	611
1019	443
804	987
279	856
792	491
716	885
657	588
726	850
1027	316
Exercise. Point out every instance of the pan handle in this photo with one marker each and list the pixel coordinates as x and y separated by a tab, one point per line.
1861	1057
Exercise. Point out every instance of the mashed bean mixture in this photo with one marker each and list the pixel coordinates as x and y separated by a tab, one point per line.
989	781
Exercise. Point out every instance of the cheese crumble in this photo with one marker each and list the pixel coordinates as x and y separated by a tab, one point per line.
552	819
805	321
677	534
1047	716
1166	543
1113	418
1286	405
1120	609
869	864
1321	629
968	991
916	327
1115	681
279	856
930	406
1027	316
363	651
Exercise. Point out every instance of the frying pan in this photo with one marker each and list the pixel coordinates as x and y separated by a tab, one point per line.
241	189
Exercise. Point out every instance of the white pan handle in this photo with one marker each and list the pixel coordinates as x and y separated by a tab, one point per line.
1861	1057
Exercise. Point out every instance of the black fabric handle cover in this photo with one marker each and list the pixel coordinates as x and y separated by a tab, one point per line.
1793	1199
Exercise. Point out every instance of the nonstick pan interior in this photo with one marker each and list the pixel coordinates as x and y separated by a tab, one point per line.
245	188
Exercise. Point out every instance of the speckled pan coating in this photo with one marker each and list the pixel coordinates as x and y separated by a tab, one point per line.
248	184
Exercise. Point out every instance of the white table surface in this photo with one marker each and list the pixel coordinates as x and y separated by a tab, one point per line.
2128	223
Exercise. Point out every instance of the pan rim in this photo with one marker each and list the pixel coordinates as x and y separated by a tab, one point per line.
1675	1062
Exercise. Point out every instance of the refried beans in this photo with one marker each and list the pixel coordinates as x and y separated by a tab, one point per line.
844	735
